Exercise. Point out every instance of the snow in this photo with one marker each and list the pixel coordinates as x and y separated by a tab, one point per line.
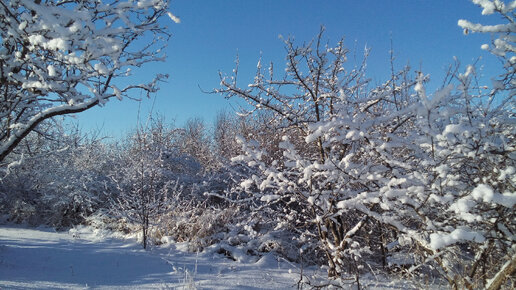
56	44
438	241
22	25
508	172
368	157
51	71
488	6
101	68
486	194
86	258
270	197
173	17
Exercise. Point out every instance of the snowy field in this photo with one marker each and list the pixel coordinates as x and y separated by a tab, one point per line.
44	259
85	258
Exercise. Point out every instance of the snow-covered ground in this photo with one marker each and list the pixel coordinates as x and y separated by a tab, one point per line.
44	259
84	258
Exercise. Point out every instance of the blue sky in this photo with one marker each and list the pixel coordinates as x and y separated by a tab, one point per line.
424	33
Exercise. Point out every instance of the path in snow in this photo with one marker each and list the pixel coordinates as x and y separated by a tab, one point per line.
45	259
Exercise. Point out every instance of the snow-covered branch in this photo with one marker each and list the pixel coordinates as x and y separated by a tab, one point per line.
64	57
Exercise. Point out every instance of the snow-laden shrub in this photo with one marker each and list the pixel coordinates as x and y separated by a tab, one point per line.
468	217
200	226
341	142
22	212
58	181
361	167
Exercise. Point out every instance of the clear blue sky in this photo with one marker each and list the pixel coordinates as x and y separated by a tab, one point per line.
211	33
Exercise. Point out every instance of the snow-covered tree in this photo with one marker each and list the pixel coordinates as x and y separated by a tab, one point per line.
63	57
344	144
60	179
148	182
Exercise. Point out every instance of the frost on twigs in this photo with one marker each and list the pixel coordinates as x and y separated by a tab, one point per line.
62	57
504	41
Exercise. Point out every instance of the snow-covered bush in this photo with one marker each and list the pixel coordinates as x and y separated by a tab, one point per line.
343	145
225	132
60	179
199	225
192	140
469	134
468	214
361	168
